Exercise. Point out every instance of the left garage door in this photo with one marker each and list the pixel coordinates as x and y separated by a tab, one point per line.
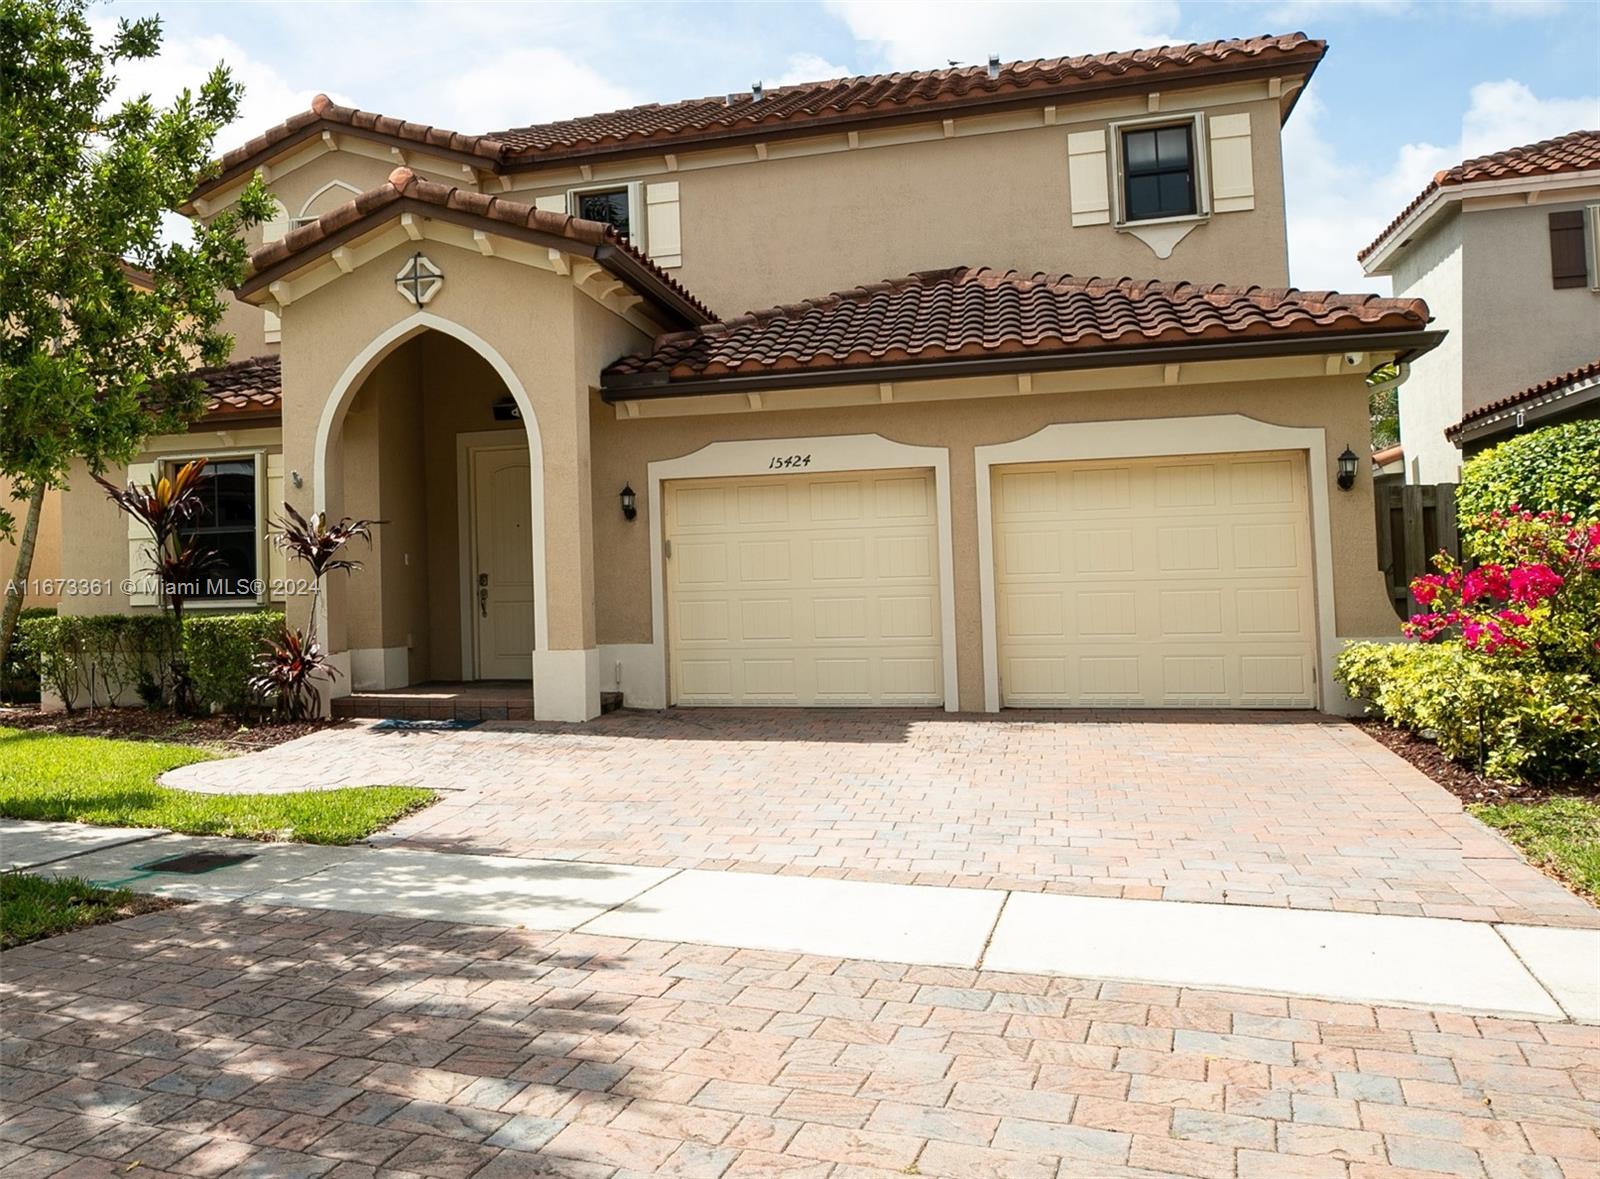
804	590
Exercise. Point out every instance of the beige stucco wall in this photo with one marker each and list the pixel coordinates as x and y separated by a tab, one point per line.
760	233
623	448
40	587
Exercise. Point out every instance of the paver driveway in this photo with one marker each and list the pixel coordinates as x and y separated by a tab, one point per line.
1267	809
229	1041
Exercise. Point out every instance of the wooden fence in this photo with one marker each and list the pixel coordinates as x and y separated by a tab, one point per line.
1414	521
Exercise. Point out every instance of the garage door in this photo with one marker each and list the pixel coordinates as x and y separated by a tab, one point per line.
808	589
1161	582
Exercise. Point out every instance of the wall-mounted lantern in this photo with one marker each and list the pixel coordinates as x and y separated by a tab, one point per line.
1347	469
630	506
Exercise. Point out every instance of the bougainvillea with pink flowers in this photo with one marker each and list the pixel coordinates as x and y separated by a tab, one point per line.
1536	591
1505	670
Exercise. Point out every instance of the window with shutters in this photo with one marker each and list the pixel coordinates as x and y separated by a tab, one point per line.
610	206
229	525
1569	261
1159	169
1158	173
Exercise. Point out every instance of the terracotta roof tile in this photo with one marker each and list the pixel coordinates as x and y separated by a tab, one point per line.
823	104
252	387
875	95
1545	387
963	312
324	110
1578	151
405	185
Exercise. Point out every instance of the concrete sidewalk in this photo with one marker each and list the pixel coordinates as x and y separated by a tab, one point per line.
1534	972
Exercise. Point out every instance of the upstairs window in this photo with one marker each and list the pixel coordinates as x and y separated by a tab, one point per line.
609	206
1158	172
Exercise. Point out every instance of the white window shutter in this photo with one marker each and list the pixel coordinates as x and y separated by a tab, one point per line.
140	546
1088	175
663	230
271	231
554	203
1233	187
277	563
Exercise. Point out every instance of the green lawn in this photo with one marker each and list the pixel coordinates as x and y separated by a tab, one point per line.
1561	835
113	783
32	907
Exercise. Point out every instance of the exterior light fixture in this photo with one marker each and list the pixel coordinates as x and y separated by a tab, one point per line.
630	507
1347	469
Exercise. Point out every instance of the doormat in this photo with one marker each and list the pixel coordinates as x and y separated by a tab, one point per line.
400	724
194	863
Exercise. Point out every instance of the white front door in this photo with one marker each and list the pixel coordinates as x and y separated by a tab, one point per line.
501	564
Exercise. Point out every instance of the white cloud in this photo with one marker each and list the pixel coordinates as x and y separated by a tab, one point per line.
1338	205
521	86
184	62
930	33
808	67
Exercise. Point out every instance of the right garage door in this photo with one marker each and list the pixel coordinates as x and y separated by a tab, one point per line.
1172	582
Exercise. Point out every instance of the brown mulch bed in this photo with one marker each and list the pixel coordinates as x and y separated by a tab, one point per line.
1463	781
217	733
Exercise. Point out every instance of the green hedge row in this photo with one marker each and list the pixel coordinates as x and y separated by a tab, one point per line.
103	658
19	678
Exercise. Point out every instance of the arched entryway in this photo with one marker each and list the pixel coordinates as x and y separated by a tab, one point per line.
430	432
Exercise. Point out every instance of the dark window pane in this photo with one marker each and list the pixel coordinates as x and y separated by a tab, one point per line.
1172	147
608	207
1140	149
1144	196
227	527
1175	193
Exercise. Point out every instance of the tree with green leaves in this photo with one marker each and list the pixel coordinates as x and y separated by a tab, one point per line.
104	317
1383	405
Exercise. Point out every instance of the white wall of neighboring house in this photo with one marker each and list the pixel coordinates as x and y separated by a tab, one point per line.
1430	400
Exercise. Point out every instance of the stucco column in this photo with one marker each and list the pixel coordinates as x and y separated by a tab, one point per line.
566	672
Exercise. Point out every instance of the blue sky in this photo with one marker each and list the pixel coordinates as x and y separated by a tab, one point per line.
1407	88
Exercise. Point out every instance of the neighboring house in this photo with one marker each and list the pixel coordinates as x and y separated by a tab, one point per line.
1566	398
965	479
1506	251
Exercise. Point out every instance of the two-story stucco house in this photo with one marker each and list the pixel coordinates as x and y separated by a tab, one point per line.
1505	249
975	475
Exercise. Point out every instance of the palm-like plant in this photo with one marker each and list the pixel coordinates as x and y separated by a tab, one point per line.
287	672
319	545
165	506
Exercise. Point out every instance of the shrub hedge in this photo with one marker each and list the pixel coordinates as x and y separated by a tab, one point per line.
19	678
1554	469
103	658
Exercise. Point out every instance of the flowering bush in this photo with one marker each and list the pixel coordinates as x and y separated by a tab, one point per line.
1506	669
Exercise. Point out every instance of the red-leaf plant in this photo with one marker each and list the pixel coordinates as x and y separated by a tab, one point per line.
287	670
165	506
1537	592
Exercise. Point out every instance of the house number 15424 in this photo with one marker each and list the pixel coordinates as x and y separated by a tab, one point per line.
789	460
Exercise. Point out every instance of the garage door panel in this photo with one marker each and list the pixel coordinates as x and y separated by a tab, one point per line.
762	505
904	557
1188	583
804	589
1189	548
